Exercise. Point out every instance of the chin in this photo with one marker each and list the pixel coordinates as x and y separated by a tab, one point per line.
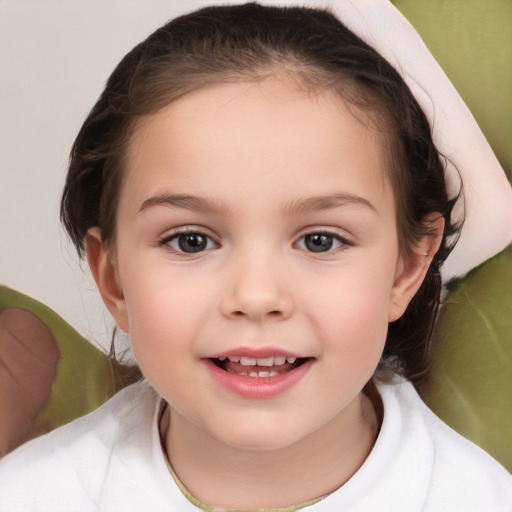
260	435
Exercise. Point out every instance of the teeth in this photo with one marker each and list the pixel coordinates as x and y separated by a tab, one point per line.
261	373
260	361
265	361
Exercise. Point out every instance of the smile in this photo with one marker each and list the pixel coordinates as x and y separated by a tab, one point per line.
258	367
258	377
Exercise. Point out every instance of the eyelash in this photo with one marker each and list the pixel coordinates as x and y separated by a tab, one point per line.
175	236
342	241
209	242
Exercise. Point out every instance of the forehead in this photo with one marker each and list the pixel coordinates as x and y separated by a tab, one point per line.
254	135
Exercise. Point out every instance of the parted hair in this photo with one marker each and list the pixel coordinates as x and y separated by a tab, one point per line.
250	42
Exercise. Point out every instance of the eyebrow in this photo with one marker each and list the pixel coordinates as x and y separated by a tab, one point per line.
187	202
297	206
327	202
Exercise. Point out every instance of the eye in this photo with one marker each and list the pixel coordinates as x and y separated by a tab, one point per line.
189	242
320	242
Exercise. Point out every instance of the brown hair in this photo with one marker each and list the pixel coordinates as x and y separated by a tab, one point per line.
249	42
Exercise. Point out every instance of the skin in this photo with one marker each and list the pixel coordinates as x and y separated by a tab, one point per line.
29	356
259	155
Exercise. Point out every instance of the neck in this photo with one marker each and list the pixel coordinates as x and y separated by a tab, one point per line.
228	477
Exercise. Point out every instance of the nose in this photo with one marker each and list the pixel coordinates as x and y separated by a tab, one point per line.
257	289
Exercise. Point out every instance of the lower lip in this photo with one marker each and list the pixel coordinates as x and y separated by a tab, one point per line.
258	387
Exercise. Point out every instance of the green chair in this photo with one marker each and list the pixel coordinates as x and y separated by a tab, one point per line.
68	377
471	383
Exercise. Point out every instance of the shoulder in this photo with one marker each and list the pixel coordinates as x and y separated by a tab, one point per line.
461	473
72	461
100	427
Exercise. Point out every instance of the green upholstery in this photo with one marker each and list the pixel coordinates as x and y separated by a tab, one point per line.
471	384
472	41
84	377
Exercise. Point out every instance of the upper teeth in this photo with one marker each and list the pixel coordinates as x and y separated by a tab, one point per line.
259	361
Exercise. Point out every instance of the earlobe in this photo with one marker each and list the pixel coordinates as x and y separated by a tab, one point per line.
106	276
412	269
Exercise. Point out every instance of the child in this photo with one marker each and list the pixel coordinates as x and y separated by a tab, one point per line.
258	195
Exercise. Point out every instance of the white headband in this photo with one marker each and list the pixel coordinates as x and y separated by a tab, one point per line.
487	193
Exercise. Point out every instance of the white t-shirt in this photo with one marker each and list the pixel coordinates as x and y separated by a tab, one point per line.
112	460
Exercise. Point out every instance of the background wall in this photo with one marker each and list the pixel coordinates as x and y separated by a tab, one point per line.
55	56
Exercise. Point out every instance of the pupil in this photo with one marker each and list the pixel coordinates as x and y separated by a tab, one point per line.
192	242
318	242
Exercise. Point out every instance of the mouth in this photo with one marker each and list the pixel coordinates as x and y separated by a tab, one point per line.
258	373
258	367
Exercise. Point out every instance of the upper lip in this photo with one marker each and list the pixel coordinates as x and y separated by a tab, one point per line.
255	353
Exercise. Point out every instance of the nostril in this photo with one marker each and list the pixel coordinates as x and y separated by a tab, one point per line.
256	305
274	314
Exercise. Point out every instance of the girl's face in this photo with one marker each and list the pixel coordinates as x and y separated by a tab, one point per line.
256	264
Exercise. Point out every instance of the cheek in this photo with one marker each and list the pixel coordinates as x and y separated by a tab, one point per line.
351	315
160	317
167	313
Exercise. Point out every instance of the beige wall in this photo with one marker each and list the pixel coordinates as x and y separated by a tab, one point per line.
54	57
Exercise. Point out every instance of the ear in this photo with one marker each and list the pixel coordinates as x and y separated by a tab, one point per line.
411	269
106	276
